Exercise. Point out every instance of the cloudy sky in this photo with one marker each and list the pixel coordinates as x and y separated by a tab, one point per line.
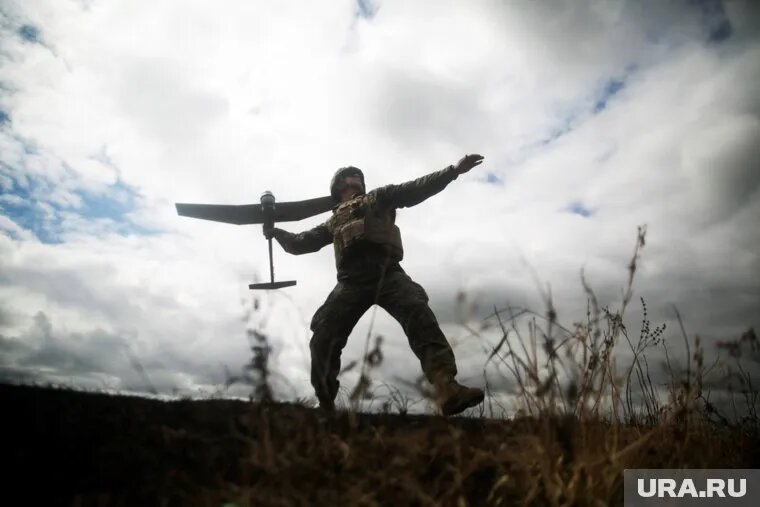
593	117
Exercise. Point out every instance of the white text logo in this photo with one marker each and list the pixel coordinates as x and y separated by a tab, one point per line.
715	488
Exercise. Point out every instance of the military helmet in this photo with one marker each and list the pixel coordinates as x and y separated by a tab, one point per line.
337	183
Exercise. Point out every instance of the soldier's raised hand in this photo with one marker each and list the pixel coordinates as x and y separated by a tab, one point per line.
268	232
468	162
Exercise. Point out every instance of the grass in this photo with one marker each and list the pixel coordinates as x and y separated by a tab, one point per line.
583	417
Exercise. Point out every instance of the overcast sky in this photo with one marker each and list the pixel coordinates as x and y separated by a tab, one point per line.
593	117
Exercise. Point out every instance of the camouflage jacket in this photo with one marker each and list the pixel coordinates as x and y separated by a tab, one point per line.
362	229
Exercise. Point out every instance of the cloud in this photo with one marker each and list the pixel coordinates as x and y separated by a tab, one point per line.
96	360
29	33
715	21
579	209
612	87
366	8
594	118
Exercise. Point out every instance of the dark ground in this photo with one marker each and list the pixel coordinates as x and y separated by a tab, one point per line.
75	448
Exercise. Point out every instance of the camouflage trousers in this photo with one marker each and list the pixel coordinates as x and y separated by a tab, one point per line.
400	296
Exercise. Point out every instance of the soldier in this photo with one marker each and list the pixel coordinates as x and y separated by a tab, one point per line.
368	249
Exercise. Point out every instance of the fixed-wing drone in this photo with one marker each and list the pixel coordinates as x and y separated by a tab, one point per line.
267	212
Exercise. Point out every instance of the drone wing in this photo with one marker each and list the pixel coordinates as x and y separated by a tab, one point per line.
253	213
231	214
298	210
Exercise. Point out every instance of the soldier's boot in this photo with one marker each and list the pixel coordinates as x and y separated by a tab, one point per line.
326	405
453	398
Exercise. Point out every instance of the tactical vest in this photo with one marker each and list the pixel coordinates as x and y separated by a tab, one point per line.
362	220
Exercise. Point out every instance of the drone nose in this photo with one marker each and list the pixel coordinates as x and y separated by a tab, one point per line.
267	198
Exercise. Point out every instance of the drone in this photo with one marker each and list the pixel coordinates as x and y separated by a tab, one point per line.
267	212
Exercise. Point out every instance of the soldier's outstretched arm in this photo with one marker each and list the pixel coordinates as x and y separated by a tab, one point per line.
303	242
415	191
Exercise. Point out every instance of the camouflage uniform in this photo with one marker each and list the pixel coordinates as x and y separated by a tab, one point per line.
368	249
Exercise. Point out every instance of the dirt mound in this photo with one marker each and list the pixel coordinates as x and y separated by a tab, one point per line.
95	449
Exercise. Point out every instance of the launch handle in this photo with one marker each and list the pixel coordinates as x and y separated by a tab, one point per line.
268	210
267	205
